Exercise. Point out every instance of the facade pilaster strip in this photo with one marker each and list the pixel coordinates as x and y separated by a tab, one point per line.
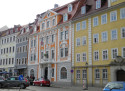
72	45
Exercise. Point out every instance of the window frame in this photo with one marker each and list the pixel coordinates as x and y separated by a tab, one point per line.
97	38
96	57
95	21
78	42
122	32
114	15
78	59
122	13
112	55
116	37
104	38
104	55
104	18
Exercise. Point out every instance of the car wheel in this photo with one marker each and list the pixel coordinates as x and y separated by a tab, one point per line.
22	86
41	84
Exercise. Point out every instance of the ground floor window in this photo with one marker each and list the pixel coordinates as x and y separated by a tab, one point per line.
63	73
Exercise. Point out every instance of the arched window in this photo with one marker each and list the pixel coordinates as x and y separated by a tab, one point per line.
32	72
63	73
69	8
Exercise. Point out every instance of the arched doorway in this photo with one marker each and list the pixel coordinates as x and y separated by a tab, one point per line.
46	73
32	73
63	73
120	75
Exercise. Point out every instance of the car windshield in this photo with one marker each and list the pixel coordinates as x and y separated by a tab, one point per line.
114	85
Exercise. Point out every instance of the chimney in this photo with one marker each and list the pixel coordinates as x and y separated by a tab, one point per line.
56	6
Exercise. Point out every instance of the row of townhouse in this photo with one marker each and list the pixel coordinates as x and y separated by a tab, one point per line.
82	40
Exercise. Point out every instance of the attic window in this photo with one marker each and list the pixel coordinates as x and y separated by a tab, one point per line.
48	14
83	9
98	4
69	8
65	17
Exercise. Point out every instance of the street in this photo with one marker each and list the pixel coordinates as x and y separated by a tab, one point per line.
38	88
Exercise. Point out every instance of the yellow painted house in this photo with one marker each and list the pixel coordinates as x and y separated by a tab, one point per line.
99	42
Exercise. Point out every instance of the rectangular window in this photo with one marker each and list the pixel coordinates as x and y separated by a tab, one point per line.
52	72
48	24
31	43
12	60
84	74
4	51
23	48
123	52
105	54
20	49
83	9
47	54
61	53
1	51
96	55
98	4
78	57
95	38
77	74
42	41
113	34
113	16
104	74
52	53
7	50
66	34
114	53
47	40
10	49
95	21
42	55
104	19
97	74
43	25
54	22
84	40
122	13
66	52
123	32
13	38
104	36
7	40
52	38
83	25
13	48
34	57
62	34
84	57
78	26
34	43
78	42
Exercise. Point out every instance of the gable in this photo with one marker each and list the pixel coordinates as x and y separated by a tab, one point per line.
49	13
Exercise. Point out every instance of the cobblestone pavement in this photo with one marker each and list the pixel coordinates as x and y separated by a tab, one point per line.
38	88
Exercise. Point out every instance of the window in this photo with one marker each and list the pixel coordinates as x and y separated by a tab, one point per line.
97	74
123	52
31	57
54	22
98	4
9	60
104	36
61	52
25	60
83	25
113	0
95	38
69	8
104	74
10	49
13	48
63	73
65	17
104	19
114	53
78	57
66	34
78	42
47	54
122	13
52	72
47	40
52	38
13	38
22	60
113	34
31	43
78	26
84	57
43	25
42	55
66	52
83	9
84	40
77	74
20	40
1	51
7	40
6	61
34	43
96	55
123	32
113	16
12	60
95	21
105	54
34	57
23	38
48	24
4	51
62	34
52	53
20	49
23	48
84	74
7	50
42	41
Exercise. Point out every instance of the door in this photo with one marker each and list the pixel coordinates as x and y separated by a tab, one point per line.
120	74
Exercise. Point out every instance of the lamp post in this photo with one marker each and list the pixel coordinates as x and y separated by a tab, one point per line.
86	64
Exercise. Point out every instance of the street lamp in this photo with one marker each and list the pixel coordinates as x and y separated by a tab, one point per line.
86	64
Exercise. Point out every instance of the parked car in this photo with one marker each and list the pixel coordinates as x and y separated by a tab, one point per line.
42	82
14	82
2	78
115	86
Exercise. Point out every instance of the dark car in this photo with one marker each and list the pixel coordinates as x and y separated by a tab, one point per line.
14	82
42	82
115	86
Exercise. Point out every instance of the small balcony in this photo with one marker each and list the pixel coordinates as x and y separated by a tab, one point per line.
47	61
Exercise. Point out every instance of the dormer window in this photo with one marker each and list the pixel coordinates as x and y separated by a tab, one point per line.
69	8
54	22
34	28
48	14
48	24
98	4
65	17
83	9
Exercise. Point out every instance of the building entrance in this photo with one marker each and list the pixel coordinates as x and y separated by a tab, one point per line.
120	75
46	73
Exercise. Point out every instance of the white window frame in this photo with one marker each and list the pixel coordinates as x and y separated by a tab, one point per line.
104	73
77	74
104	19
78	55
69	7
122	13
97	38
105	55
95	21
95	55
65	17
48	26
84	74
78	41
112	35
112	52
83	9
84	40
97	74
98	4
84	57
43	27
122	32
114	15
78	26
84	24
123	54
104	36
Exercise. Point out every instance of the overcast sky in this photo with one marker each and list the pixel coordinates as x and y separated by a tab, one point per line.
14	12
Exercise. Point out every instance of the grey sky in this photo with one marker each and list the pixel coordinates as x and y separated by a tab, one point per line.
14	12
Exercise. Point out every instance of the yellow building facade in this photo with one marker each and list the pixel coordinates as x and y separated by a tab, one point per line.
99	40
